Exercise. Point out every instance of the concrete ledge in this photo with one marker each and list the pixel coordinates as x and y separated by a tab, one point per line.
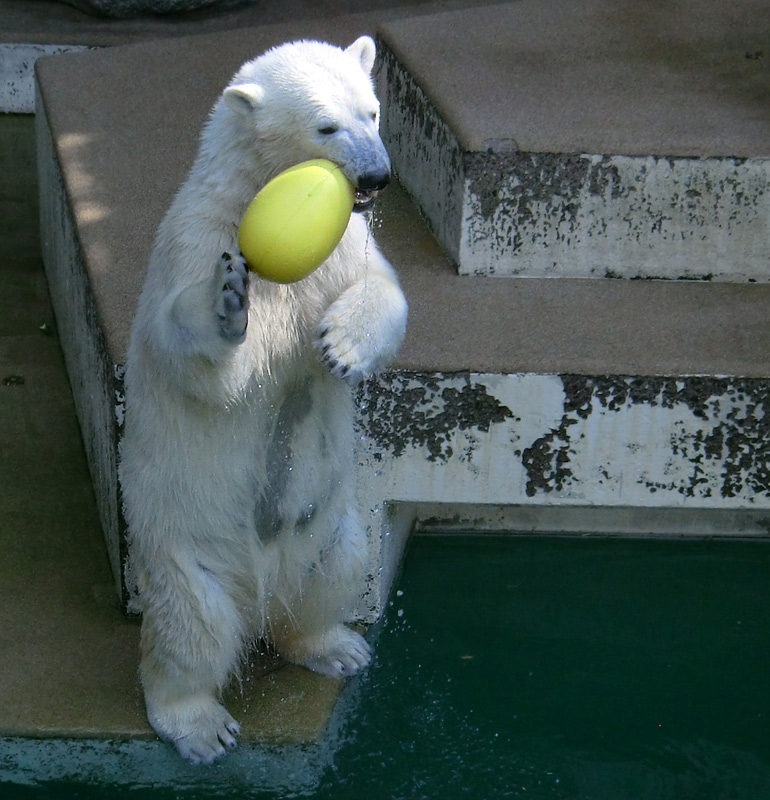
559	441
93	374
600	139
132	767
500	395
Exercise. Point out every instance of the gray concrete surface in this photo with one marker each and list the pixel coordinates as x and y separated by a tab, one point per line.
683	78
67	656
547	138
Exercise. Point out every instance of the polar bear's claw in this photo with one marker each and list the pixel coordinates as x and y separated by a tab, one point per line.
345	360
233	303
361	330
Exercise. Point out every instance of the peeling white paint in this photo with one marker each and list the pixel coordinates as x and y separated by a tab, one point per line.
657	442
564	454
507	213
618	216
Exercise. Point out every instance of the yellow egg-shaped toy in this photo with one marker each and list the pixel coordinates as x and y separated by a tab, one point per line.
295	222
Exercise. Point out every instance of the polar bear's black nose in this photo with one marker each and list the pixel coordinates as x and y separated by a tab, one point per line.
367	187
373	181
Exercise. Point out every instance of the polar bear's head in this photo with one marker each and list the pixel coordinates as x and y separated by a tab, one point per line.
309	99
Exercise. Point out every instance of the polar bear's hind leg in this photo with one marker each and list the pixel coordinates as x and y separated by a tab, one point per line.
314	634
191	642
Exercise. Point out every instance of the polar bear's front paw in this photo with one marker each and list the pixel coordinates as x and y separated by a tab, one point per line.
339	652
362	330
351	358
233	297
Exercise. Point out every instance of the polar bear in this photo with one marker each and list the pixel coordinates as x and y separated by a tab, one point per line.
236	463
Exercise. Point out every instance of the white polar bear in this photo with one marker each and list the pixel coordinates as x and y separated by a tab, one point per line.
237	459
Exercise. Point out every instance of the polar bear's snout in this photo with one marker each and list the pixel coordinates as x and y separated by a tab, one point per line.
363	159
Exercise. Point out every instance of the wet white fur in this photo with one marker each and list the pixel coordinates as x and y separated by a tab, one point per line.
237	460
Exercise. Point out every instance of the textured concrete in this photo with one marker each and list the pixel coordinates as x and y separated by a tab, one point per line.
605	442
596	139
96	388
682	78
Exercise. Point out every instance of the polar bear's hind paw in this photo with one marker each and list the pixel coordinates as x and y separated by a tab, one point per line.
210	739
233	301
339	653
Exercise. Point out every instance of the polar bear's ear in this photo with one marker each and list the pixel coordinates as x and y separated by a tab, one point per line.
244	97
364	51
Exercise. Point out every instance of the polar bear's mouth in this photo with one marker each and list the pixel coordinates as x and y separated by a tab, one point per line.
364	199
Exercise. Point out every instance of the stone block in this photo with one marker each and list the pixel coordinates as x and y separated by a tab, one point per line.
600	139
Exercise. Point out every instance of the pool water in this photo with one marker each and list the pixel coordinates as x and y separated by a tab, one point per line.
563	668
513	666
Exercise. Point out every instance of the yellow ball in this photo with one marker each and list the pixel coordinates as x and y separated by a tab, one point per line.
295	222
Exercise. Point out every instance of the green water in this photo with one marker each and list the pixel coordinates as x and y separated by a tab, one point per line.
537	668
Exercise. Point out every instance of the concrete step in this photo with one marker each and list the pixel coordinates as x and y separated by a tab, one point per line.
597	139
567	405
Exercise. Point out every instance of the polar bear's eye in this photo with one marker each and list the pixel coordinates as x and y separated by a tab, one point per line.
328	130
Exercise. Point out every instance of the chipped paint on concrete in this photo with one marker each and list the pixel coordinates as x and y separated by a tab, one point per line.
616	216
716	443
403	410
517	439
509	213
424	151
